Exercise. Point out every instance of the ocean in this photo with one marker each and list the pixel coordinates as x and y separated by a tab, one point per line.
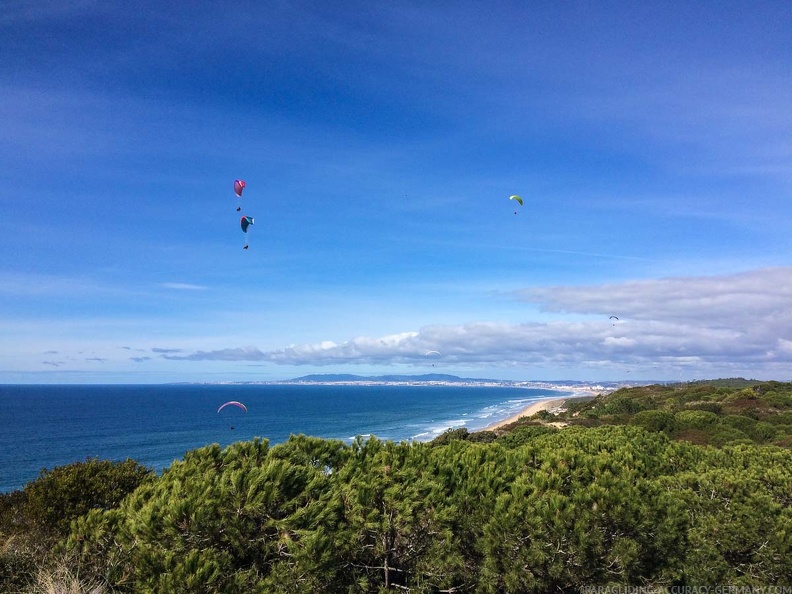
43	426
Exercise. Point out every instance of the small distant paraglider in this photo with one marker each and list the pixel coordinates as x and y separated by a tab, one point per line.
245	222
239	185
433	354
517	199
614	318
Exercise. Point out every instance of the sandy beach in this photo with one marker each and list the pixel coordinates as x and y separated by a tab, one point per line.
553	405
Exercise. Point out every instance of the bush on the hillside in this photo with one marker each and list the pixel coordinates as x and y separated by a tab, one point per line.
741	422
723	435
483	437
33	519
619	405
778	401
740	527
654	420
694	419
450	435
65	493
564	509
763	432
712	407
523	434
578	405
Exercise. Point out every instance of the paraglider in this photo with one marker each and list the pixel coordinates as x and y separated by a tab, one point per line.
245	222
239	185
614	318
516	198
433	354
232	403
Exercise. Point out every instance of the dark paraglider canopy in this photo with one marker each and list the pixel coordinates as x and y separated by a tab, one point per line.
245	222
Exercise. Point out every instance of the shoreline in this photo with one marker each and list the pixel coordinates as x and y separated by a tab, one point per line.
550	404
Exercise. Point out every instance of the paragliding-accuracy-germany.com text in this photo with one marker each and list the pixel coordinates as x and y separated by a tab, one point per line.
720	589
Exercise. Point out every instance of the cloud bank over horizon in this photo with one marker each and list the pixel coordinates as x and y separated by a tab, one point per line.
726	323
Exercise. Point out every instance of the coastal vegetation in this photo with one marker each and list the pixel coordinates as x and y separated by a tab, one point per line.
717	413
656	486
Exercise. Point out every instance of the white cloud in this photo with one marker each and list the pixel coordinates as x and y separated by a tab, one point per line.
735	322
729	301
784	348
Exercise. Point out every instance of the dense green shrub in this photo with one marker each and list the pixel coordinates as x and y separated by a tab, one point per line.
778	401
560	510
451	434
743	423
654	420
64	493
34	519
483	436
725	435
619	405
523	434
694	419
712	407
763	432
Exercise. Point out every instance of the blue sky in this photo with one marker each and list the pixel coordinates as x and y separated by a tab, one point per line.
651	143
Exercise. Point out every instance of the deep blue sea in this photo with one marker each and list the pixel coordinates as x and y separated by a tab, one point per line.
43	426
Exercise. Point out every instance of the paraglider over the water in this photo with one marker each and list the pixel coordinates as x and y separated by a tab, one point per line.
232	403
517	199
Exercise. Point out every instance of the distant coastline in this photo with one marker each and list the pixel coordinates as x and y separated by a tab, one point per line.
576	388
566	389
